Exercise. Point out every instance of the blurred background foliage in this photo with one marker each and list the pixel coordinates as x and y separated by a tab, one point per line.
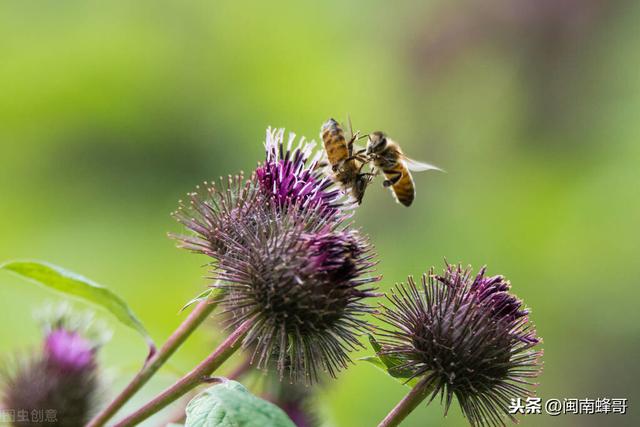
111	111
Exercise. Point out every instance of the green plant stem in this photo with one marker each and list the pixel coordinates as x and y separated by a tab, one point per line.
195	318
408	403
194	378
178	416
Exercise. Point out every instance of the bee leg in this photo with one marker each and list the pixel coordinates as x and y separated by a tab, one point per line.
374	172
321	165
364	163
391	181
368	176
350	143
358	156
339	165
348	159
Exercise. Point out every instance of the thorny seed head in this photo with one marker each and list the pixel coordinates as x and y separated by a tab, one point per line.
305	289
468	336
285	257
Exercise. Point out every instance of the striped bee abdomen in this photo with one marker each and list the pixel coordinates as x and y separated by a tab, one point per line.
334	142
403	189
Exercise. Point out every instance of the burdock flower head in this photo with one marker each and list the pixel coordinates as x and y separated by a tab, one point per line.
58	385
68	351
289	178
285	258
291	175
463	336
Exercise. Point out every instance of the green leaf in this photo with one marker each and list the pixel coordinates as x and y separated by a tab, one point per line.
229	404
374	344
76	286
392	363
389	364
375	361
203	296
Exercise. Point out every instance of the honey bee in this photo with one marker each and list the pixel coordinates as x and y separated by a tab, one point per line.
346	166
387	156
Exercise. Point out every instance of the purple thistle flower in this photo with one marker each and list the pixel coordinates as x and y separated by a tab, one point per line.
288	177
284	258
468	337
492	291
62	380
68	350
292	175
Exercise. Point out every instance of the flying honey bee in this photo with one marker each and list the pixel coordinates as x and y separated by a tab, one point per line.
387	156
346	166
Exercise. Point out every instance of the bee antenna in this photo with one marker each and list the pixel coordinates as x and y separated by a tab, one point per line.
363	136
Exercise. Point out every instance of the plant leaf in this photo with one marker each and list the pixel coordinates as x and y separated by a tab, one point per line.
229	404
76	286
201	297
392	363
375	361
389	364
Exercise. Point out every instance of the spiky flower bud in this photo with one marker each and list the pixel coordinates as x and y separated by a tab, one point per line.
307	305
286	259
214	210
57	386
468	337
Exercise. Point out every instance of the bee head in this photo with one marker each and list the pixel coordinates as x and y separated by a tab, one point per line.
377	142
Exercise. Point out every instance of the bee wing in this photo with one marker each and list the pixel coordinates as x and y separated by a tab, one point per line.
356	147
416	166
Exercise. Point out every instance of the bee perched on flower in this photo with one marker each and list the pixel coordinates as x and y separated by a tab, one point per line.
461	336
59	385
286	259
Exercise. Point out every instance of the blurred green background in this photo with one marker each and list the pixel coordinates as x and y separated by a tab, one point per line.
111	112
